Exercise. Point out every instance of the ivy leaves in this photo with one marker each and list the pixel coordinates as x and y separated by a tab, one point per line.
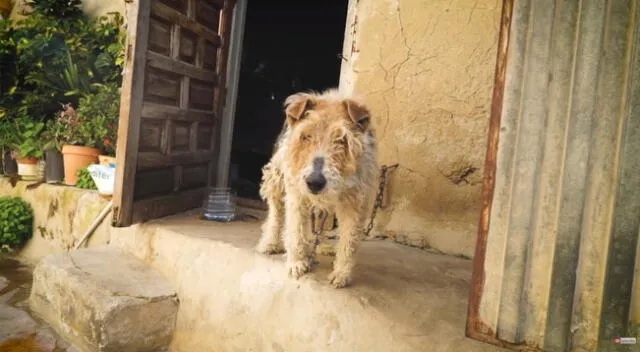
16	221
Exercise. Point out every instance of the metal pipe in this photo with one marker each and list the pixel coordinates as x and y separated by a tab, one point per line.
95	223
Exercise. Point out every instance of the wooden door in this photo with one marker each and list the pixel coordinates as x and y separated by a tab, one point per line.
172	99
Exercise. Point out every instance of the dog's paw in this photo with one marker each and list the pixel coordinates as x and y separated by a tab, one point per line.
339	279
298	268
269	248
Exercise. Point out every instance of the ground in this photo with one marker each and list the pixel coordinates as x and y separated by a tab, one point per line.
20	331
402	299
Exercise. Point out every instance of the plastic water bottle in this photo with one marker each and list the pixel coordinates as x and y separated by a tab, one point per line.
220	205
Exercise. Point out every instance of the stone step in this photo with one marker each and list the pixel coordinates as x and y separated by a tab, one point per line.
234	299
104	300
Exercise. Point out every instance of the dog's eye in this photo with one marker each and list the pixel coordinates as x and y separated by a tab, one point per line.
305	137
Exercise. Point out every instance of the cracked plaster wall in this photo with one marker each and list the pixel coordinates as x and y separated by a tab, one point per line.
426	70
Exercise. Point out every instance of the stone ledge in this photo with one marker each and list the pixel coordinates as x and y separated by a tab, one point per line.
61	216
104	300
234	299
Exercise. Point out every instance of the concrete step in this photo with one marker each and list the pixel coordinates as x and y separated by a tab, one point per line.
102	299
234	299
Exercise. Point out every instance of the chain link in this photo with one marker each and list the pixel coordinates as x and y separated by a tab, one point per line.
322	214
323	218
379	196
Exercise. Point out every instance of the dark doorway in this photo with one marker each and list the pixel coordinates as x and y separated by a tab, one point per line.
288	46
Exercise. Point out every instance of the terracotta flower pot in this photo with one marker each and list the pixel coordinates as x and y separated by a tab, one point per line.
28	168
75	158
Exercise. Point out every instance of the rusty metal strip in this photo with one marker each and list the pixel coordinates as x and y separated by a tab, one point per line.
475	328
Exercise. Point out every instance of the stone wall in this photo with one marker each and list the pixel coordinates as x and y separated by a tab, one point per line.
62	215
426	69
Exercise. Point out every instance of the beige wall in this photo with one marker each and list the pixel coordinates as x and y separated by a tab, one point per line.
103	7
91	7
426	70
61	216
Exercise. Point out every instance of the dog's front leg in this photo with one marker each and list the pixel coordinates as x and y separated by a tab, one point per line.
272	190
271	240
350	225
295	235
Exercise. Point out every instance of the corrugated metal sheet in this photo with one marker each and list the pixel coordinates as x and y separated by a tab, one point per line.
559	238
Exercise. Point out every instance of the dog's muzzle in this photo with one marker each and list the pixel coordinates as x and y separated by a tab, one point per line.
316	182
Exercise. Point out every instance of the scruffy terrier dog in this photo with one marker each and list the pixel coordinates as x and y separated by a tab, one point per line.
325	159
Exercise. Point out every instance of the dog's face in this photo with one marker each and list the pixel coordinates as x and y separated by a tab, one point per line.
326	143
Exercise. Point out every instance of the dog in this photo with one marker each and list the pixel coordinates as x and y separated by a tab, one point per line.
325	159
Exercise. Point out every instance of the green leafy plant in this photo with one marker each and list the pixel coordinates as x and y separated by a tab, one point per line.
85	181
9	134
51	137
30	143
7	61
70	81
66	127
110	43
98	114
16	222
56	55
8	138
94	124
9	79
57	8
34	49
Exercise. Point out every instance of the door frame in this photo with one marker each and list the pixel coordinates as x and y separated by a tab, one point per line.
233	80
225	147
236	41
475	327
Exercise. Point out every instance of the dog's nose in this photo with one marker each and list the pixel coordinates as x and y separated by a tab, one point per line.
316	182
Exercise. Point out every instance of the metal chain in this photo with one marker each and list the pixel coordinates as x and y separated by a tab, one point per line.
379	196
322	214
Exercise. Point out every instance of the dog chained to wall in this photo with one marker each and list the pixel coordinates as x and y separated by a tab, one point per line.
324	162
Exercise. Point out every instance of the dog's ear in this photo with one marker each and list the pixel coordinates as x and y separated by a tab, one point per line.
296	106
358	114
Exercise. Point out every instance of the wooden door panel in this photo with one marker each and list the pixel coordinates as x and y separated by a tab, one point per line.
171	102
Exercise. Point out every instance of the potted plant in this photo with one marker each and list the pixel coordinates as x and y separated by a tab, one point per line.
79	146
54	163
29	151
99	112
8	141
90	131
